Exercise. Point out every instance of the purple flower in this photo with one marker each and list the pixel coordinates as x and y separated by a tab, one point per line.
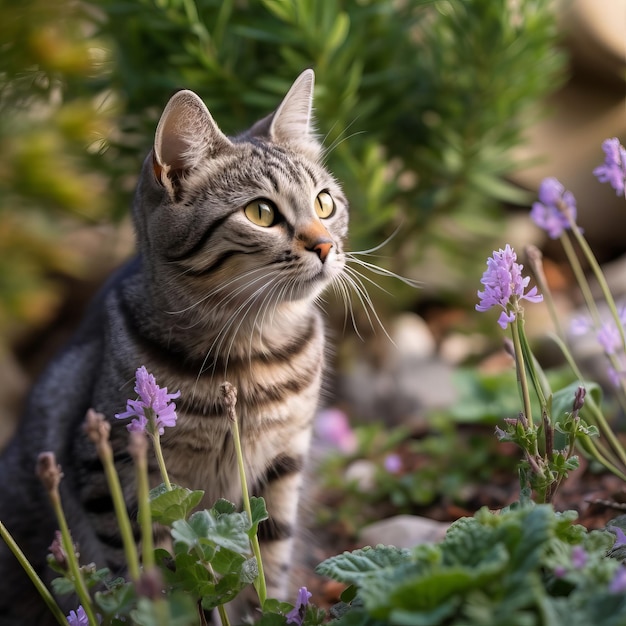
613	170
78	617
333	427
153	405
618	584
609	337
296	615
504	286
579	557
393	463
554	208
581	324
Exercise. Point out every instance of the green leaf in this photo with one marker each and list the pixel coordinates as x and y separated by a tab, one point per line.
228	530
62	586
358	617
259	514
168	506
434	617
116	601
348	594
178	610
271	619
223	507
353	567
192	575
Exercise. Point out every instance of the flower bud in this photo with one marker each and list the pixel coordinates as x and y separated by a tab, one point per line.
48	471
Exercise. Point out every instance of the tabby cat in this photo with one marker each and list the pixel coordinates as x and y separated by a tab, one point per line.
237	238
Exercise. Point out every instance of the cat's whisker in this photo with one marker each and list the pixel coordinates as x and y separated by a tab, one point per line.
355	280
382	271
242	312
216	346
343	292
379	246
222	287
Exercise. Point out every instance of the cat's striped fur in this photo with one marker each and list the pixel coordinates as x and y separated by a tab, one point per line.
211	296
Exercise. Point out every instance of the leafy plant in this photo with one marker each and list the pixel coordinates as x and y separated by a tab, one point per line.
527	565
215	552
393	471
419	103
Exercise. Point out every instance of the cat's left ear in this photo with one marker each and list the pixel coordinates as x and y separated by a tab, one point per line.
186	134
292	122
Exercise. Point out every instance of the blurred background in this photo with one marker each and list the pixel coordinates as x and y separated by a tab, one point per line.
440	118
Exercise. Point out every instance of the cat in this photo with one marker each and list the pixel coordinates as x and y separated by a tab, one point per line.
237	238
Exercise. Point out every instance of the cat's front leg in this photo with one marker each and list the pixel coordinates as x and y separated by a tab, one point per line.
280	487
276	534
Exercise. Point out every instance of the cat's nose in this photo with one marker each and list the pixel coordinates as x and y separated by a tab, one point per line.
322	249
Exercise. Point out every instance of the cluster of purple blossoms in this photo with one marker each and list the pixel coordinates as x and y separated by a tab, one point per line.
555	209
613	170
153	403
610	339
505	286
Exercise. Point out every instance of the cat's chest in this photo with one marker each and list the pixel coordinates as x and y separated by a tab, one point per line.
275	417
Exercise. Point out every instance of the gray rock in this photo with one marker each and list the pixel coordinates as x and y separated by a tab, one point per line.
403	531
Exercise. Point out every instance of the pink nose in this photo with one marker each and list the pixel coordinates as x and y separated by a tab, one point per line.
322	248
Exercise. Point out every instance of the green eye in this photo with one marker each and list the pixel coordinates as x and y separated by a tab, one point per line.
261	212
324	205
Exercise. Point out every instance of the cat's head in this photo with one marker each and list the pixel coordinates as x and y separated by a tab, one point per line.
252	216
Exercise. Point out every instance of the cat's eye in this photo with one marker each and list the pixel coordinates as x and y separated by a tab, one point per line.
324	205
261	212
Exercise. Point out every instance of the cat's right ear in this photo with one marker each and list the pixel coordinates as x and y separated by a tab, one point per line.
186	134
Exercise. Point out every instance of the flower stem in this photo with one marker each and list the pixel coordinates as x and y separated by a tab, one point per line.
597	271
593	407
521	370
98	430
221	609
535	260
44	592
581	279
230	397
138	449
50	475
121	514
156	440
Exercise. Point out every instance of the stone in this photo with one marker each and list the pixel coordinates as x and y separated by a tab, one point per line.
403	531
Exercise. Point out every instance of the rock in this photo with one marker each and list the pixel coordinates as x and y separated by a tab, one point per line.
397	386
412	337
362	472
403	531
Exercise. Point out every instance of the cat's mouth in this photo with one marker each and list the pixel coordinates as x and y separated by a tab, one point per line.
316	279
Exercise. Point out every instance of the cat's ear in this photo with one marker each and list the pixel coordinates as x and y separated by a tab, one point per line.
186	134
292	122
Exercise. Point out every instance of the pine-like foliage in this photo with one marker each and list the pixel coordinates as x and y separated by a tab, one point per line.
420	103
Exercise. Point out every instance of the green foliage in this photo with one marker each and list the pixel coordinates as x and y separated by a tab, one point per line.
419	103
211	564
513	568
169	505
50	130
446	463
437	90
